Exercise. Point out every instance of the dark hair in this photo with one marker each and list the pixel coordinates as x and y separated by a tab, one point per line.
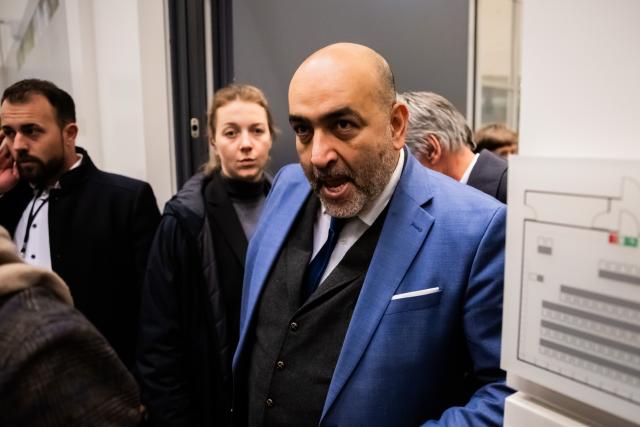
62	103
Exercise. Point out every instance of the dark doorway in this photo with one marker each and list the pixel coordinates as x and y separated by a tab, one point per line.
189	75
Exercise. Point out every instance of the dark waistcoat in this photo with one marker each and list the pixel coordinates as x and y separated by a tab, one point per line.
297	344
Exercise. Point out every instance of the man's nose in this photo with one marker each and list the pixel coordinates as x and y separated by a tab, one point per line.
20	142
322	150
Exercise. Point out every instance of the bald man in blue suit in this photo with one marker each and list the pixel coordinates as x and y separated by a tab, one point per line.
404	325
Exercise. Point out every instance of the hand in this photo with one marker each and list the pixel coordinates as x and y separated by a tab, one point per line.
9	175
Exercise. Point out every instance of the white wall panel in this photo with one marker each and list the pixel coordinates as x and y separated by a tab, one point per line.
580	78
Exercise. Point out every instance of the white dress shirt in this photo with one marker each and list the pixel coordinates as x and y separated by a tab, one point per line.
467	172
356	226
36	251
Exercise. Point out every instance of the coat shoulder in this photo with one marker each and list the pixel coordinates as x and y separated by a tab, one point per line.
187	205
289	185
455	196
42	317
290	173
119	183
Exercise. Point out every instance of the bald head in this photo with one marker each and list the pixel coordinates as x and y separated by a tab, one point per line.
358	62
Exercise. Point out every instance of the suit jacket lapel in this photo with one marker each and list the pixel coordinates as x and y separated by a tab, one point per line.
222	212
403	234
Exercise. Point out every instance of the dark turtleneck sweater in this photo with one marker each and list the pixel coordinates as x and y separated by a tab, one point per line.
247	198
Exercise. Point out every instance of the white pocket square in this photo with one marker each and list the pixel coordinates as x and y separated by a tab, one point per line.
416	293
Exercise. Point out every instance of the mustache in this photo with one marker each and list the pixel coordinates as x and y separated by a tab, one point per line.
22	157
331	173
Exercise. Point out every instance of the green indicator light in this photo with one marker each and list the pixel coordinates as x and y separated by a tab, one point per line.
631	241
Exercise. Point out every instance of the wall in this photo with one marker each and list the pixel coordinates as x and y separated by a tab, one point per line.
84	76
112	58
580	78
157	119
425	41
49	55
117	51
497	62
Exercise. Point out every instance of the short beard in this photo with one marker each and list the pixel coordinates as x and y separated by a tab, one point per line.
368	183
41	174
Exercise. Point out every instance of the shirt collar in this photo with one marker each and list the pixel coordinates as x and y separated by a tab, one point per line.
372	210
467	172
57	184
78	162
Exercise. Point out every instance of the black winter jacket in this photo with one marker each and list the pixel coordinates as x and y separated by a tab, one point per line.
183	351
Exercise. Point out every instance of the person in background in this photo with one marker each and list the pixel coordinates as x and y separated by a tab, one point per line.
191	304
498	139
373	286
439	137
57	370
91	227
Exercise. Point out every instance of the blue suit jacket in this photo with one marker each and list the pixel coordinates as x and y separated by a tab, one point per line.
402	360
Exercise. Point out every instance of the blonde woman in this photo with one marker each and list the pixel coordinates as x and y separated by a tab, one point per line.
191	298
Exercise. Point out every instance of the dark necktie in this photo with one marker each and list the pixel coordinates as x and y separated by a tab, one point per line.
317	266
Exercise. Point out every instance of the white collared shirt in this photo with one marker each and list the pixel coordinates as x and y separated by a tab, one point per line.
37	250
467	172
356	226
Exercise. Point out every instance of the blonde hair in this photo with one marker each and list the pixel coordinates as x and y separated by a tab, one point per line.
230	93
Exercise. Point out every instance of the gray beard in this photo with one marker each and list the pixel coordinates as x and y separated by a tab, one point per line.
368	183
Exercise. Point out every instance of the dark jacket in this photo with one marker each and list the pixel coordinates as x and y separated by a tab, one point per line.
184	353
55	368
489	175
100	228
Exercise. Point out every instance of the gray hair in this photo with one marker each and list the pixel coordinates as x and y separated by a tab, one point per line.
432	114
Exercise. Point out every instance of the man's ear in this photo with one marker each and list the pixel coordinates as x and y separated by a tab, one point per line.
434	150
399	121
69	134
